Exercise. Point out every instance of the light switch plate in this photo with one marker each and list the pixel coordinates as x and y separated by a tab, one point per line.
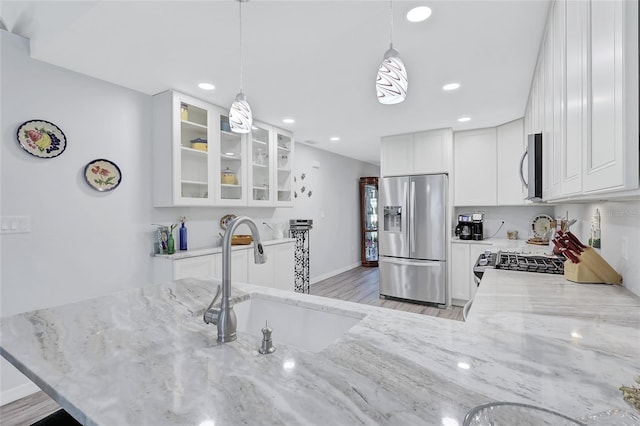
15	224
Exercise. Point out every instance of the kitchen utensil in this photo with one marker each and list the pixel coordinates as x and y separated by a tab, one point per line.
228	177
200	144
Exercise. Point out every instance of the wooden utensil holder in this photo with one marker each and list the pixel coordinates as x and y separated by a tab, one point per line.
591	269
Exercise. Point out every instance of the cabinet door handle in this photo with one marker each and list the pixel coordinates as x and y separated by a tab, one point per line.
521	171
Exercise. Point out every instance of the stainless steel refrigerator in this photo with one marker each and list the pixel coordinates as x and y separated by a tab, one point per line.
412	238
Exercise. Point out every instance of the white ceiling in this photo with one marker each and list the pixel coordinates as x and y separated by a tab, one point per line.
315	61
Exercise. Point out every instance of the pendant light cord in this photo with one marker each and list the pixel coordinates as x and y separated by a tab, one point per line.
391	19
240	19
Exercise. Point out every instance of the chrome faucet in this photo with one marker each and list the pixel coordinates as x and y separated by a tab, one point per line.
224	317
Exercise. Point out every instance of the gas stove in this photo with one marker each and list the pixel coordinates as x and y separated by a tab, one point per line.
518	262
529	263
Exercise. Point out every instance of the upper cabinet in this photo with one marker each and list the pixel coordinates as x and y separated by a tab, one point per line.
585	89
416	153
182	168
474	165
198	161
486	165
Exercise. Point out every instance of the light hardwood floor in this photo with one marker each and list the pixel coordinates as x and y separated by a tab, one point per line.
361	285
357	285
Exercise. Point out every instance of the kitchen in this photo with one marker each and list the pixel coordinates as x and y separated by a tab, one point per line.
108	236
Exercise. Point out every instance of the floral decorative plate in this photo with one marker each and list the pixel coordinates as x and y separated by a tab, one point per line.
226	219
41	138
102	175
541	225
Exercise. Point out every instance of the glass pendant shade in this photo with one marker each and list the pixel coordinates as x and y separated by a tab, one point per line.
391	83
240	115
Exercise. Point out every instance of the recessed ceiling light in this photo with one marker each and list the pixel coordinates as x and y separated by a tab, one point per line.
418	14
463	119
206	86
288	120
451	86
334	138
464	365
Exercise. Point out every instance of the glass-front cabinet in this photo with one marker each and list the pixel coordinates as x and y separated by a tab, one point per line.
284	167
183	171
231	163
369	220
198	161
261	170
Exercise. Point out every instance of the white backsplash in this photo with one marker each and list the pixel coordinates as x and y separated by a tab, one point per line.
515	218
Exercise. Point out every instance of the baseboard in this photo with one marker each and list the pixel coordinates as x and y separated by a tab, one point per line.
334	273
18	392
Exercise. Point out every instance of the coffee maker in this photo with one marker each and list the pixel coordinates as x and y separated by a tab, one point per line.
476	226
464	227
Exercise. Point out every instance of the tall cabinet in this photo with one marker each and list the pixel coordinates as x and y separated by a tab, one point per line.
369	220
198	161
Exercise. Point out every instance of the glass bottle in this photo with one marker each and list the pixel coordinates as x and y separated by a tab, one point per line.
183	237
171	244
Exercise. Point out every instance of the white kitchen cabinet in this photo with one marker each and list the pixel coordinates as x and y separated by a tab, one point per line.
416	153
284	266
182	175
238	265
611	155
283	167
460	287
262	274
475	164
510	147
277	272
588	66
463	258
230	158
226	168
576	30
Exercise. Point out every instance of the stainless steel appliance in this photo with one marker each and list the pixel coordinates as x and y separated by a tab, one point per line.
477	233
412	240
463	228
534	166
518	262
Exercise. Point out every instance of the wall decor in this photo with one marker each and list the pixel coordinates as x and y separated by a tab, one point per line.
41	138
102	175
303	188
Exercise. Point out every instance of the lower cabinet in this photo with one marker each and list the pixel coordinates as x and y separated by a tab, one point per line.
463	258
277	272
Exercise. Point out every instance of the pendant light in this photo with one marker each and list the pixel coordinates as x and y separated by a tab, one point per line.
391	83
240	115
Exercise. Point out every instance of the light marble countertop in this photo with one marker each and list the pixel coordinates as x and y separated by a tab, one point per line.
144	356
203	251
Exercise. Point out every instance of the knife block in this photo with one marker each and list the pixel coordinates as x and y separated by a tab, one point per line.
591	269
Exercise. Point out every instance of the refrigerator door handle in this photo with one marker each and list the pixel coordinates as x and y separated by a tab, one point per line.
409	263
412	225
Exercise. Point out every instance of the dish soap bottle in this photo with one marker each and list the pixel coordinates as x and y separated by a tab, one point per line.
183	234
594	241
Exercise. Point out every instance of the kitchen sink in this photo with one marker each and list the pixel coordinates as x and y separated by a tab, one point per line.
307	326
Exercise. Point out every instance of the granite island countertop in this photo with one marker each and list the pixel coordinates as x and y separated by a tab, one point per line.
144	356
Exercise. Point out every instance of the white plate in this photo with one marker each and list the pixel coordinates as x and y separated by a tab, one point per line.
541	225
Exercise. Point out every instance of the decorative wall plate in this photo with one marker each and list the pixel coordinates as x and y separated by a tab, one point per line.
226	219
541	225
102	175
41	138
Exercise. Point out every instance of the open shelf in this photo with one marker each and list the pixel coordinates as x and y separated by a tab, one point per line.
194	182
192	124
194	151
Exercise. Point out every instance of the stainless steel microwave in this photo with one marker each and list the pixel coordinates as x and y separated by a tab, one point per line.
533	154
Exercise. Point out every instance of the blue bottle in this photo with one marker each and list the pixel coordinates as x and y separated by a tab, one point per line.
183	237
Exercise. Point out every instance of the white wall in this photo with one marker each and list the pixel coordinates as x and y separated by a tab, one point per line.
620	234
85	243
